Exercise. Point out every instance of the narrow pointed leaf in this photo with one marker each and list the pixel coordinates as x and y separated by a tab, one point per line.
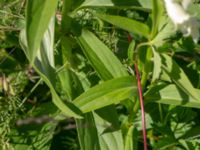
38	16
129	139
44	65
100	56
127	24
178	76
165	31
87	131
171	95
110	136
157	12
138	5
107	93
157	64
109	3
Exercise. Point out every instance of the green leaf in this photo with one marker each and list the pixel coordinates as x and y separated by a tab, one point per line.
107	66
166	143
129	143
38	16
100	56
171	95
110	136
127	24
157	13
157	65
178	76
87	132
165	31
107	93
131	49
145	3
109	3
115	4
44	65
192	133
33	135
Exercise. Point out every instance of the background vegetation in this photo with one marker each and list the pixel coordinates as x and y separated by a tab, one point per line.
67	79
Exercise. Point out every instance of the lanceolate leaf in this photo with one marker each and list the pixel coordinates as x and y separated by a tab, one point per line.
171	95
157	13
44	65
87	132
157	65
129	145
38	15
127	24
101	57
110	136
109	3
107	93
107	66
178	76
114	4
165	30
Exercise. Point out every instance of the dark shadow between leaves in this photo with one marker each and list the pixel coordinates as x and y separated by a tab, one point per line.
109	114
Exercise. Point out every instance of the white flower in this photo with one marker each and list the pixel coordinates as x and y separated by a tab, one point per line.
182	20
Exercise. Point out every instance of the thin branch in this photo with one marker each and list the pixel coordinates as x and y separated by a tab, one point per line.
141	106
140	98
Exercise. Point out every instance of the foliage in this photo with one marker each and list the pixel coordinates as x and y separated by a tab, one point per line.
67	76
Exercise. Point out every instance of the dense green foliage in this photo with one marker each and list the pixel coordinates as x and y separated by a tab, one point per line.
67	79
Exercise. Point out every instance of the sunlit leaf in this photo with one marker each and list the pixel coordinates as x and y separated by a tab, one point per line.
116	4
44	65
107	93
171	95
129	145
165	31
38	16
157	65
100	56
131	49
157	12
107	66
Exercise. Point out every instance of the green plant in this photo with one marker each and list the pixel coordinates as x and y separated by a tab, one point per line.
83	56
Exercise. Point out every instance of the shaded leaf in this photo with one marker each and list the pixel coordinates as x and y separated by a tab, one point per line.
110	136
178	76
165	143
127	24
87	131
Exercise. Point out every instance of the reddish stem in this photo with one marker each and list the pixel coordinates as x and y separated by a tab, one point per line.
141	100
141	106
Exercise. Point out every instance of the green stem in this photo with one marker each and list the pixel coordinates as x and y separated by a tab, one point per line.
31	91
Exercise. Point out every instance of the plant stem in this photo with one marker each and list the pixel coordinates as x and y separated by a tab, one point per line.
31	91
136	107
141	106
